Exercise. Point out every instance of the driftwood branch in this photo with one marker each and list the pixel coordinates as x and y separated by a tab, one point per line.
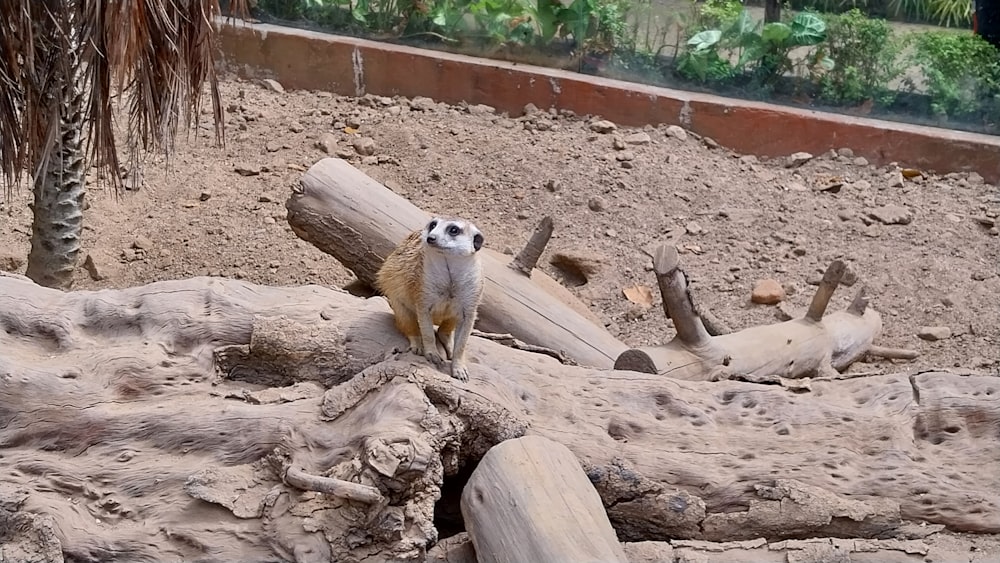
336	487
526	260
827	285
815	345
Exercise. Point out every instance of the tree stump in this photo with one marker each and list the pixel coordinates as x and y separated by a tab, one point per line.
529	500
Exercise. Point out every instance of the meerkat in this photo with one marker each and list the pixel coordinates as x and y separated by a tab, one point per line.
434	277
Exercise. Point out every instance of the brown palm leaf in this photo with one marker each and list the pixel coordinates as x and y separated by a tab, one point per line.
156	55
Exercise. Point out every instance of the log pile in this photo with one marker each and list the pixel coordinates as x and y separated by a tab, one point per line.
216	419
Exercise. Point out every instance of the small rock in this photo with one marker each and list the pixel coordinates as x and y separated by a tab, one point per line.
394	110
748	159
850	276
327	143
273	85
896	179
934	333
246	169
618	144
10	262
710	143
420	103
603	126
353	122
272	146
530	109
553	185
270	220
205	196
641	138
522	215
369	160
677	132
797	159
952	217
344	153
975	179
597	203
265	199
611	233
97	268
627	164
891	215
862	185
845	215
981	275
142	243
767	292
796	187
296	127
861	161
625	156
365	146
693	228
845	152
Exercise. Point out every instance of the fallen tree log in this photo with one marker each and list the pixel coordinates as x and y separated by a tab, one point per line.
814	345
528	500
119	437
358	221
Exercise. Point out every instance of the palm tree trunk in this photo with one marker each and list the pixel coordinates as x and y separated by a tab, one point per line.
59	180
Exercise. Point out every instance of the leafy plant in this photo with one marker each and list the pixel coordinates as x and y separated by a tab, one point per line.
867	56
961	73
760	51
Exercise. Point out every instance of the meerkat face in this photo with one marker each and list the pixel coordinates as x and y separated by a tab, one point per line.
453	236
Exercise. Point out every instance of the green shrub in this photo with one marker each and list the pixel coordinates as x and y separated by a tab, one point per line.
867	60
960	71
760	50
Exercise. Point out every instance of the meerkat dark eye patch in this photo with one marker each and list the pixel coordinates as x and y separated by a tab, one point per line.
454	230
431	226
477	241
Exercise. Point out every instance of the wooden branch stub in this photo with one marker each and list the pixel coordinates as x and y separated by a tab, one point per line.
829	283
330	486
529	500
859	304
526	260
677	302
893	353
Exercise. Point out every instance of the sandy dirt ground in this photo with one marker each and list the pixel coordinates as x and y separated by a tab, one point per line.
926	248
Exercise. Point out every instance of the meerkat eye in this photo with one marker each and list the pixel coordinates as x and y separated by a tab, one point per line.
431	226
454	230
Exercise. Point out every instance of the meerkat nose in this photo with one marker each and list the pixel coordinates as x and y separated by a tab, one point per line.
431	239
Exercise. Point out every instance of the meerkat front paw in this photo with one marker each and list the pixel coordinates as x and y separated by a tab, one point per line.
459	371
434	358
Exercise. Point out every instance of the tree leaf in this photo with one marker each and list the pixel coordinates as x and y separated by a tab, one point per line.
639	294
808	29
705	39
775	33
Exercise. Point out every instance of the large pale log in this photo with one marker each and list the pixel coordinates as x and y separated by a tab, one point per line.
131	448
814	345
358	221
528	500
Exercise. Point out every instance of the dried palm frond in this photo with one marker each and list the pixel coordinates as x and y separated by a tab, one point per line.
156	54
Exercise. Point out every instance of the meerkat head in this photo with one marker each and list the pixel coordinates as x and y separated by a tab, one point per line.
453	236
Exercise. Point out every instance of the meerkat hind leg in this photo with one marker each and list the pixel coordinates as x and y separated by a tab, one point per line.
406	322
428	337
459	370
446	336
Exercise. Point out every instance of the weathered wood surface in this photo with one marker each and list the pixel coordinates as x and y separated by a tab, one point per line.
118	441
358	221
529	500
814	345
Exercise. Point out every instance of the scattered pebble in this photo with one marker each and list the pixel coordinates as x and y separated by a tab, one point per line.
273	85
767	292
246	169
603	126
641	138
797	159
891	215
677	132
327	143
934	333
597	203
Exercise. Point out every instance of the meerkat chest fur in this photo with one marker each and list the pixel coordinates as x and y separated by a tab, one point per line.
452	284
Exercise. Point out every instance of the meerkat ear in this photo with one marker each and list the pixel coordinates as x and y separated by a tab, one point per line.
477	241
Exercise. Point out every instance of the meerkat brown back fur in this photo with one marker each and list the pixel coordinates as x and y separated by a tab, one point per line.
434	277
